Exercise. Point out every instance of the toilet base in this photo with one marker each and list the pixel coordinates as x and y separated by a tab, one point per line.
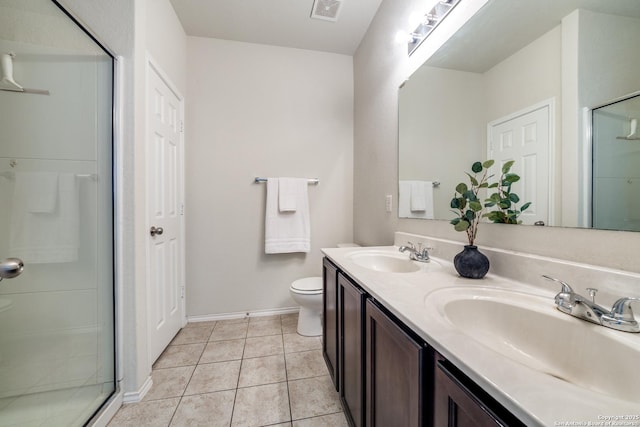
309	322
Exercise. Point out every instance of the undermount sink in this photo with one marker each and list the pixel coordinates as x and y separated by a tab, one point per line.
528	329
390	262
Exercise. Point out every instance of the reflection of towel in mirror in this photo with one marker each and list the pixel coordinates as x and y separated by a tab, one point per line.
415	199
46	231
418	196
287	231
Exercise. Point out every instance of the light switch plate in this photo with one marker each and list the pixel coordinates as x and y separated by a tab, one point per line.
389	202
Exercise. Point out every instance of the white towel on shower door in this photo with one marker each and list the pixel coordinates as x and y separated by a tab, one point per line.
50	236
40	189
287	231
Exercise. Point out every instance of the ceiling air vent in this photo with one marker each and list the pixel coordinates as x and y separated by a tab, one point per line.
327	10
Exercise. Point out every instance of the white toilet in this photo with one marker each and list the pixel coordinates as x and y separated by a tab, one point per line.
307	293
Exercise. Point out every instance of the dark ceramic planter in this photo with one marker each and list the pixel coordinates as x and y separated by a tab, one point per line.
471	263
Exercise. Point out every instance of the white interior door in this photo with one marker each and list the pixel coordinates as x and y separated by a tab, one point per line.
165	209
525	137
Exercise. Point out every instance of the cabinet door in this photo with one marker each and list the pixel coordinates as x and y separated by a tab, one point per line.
458	402
395	374
351	312
330	319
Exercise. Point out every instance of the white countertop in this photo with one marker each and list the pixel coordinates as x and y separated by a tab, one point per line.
535	398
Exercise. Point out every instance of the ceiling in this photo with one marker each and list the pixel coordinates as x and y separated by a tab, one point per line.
284	23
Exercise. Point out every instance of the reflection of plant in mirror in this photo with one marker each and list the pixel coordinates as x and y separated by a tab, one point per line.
468	206
504	199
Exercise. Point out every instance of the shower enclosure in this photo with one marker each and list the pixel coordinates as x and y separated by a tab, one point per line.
57	351
616	165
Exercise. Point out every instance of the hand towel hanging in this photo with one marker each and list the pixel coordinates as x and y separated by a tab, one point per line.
287	231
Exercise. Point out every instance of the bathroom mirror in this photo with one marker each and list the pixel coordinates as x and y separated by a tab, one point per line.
523	71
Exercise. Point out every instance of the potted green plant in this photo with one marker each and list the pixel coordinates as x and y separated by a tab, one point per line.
505	199
466	204
469	209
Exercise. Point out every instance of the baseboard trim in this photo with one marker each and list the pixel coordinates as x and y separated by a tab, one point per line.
243	315
137	396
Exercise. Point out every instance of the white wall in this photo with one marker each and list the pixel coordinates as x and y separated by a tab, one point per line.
438	135
257	110
166	42
380	65
525	78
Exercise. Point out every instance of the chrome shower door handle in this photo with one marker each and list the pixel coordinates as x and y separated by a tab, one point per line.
156	231
11	268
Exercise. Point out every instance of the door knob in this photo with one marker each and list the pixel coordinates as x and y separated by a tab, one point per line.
156	231
10	268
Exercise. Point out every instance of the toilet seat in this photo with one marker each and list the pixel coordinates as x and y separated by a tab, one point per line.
307	286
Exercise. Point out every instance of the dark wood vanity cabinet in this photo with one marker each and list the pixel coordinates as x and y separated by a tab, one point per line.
387	375
397	375
330	319
350	348
459	402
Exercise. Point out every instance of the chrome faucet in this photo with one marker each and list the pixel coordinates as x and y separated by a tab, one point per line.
11	268
620	317
416	254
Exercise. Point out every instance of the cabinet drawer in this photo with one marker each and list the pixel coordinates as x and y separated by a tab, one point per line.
459	402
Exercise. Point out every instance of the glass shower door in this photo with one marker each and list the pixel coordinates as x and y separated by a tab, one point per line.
57	352
616	165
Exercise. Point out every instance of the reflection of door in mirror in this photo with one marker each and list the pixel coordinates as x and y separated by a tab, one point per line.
616	166
526	137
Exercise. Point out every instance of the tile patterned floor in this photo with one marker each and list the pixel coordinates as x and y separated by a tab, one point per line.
246	372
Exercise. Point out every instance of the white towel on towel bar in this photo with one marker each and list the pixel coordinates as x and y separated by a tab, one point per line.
288	193
287	231
46	237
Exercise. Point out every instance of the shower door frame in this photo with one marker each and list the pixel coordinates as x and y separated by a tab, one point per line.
586	208
110	406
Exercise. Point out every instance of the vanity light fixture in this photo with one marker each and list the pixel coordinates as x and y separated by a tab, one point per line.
429	22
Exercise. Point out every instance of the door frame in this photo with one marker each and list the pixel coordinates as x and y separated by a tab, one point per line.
550	104
585	209
152	66
585	194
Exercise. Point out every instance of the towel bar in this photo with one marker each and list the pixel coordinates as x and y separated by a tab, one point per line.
10	175
311	180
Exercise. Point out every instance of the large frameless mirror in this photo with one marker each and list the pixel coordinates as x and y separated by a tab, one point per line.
518	82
